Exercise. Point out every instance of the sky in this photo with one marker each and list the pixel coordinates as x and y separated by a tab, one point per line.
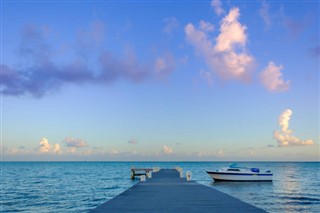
160	80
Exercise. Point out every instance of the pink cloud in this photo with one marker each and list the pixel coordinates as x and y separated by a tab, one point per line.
271	78
227	57
206	26
165	64
217	6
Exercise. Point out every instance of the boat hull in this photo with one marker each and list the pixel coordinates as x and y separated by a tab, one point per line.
221	176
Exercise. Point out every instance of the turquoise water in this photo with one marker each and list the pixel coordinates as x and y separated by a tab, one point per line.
81	186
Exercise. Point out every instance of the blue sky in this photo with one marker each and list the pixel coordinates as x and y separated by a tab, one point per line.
152	80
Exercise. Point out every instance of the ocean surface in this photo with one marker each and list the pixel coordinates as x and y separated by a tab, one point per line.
81	186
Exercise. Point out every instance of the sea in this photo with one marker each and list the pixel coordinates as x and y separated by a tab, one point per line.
82	186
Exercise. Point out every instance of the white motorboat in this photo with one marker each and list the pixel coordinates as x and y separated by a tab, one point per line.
234	173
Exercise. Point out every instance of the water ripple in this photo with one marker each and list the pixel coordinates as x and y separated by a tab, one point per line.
81	186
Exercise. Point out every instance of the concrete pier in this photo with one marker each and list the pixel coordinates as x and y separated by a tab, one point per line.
167	192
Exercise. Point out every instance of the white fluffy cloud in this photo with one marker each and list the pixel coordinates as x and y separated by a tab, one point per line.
232	32
45	147
284	137
228	56
284	119
216	4
271	78
167	150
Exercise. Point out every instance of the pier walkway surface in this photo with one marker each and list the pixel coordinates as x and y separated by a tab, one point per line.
166	192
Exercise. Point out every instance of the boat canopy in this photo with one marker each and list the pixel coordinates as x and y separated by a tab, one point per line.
255	170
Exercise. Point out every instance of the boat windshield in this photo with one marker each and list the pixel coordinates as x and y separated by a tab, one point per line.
234	170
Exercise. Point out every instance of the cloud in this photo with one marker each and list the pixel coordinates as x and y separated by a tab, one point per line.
133	141
113	152
284	137
45	147
164	65
18	151
56	148
167	150
42	79
232	32
216	4
171	23
271	78
252	152
206	26
228	57
74	142
220	152
199	39
44	69
126	67
39	74
283	120
11	81
264	13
